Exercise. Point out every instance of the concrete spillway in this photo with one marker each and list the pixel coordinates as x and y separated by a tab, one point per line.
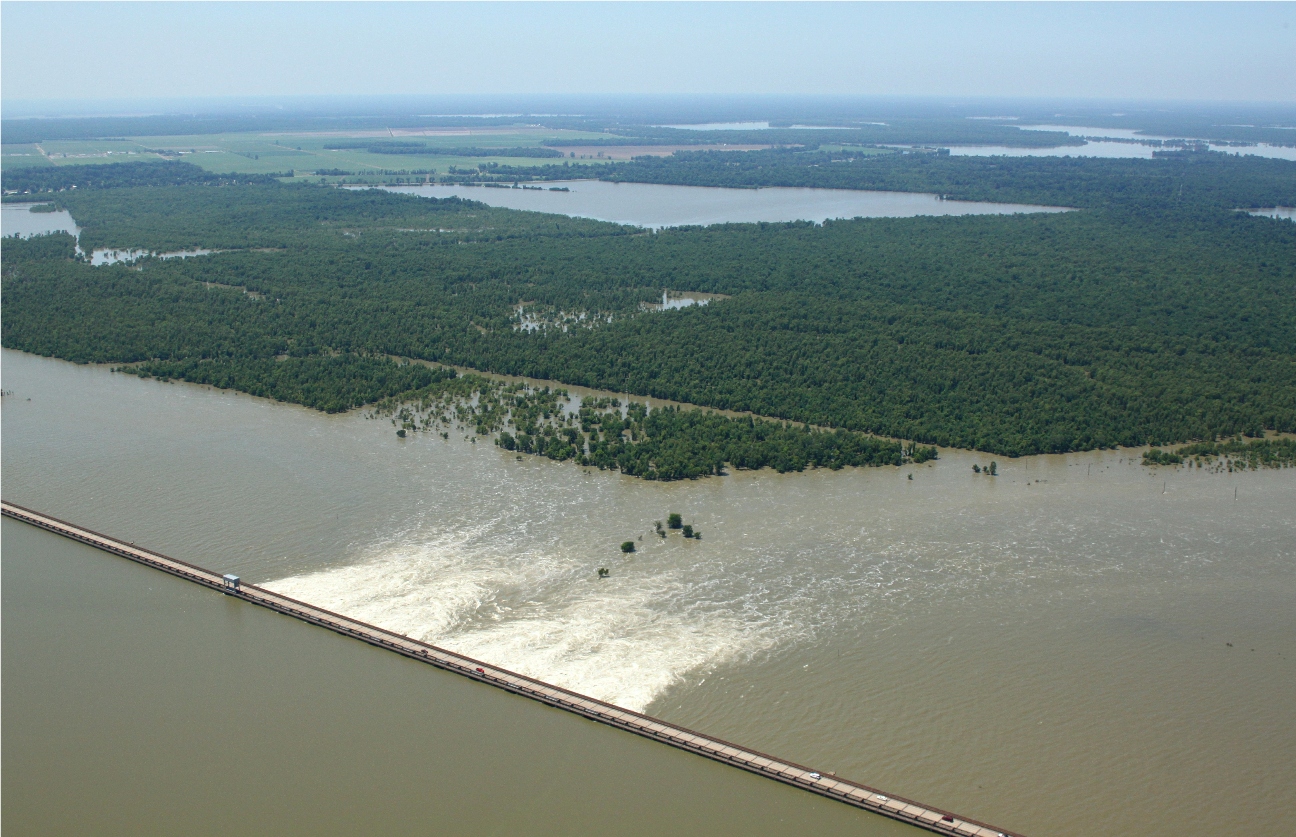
843	790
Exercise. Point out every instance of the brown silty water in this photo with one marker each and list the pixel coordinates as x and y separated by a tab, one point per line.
1047	649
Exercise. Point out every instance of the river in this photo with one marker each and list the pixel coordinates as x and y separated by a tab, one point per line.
1064	649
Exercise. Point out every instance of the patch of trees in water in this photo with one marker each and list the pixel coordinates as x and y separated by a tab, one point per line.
663	443
1236	454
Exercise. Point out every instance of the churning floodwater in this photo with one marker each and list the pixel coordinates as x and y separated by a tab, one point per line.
656	206
213	717
1079	645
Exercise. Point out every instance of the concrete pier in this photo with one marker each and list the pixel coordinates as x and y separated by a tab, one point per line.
843	790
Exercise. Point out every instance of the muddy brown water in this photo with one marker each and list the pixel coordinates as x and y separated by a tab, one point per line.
1063	649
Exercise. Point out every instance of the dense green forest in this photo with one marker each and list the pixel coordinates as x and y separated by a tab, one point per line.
1124	323
332	383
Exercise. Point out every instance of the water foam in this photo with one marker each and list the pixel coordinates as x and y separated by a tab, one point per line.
625	640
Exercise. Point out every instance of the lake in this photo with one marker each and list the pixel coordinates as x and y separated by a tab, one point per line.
18	219
1064	649
656	206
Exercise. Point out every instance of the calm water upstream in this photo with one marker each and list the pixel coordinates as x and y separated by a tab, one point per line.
1047	649
656	206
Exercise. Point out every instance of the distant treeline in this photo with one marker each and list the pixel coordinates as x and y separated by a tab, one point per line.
401	147
332	383
118	176
892	132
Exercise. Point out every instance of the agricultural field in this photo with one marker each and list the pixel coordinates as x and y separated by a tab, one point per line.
301	154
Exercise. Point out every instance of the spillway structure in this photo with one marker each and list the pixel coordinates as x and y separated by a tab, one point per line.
852	793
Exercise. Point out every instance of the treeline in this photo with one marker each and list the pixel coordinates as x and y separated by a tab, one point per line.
332	383
278	215
1011	334
663	443
668	443
401	147
37	179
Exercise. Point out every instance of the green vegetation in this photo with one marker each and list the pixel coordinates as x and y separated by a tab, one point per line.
1156	456
674	521
665	443
1229	454
394	147
628	547
332	383
26	181
1143	318
365	157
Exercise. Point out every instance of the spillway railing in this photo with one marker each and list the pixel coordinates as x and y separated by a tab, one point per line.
852	793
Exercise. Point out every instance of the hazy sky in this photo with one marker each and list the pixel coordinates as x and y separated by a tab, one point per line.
1239	51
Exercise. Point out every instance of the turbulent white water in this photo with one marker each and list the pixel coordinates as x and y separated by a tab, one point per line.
624	639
